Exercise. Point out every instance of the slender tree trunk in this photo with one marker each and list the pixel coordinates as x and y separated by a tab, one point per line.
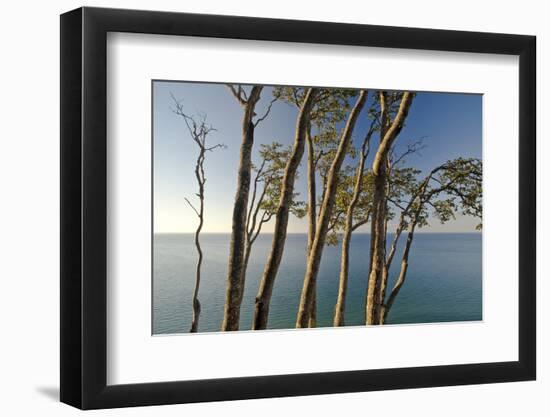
247	252
251	225
312	215
250	239
312	322
393	247
314	258
238	228
378	246
390	256
199	132
385	268
199	174
339	310
402	274
343	283
261	309
311	192
388	133
196	302
420	199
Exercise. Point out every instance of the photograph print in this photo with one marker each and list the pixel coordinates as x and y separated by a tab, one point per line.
297	207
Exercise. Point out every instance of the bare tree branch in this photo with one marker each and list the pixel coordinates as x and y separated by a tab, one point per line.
396	204
238	94
361	222
192	206
198	130
261	119
412	148
219	145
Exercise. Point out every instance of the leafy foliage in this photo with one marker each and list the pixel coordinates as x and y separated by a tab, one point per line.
331	105
330	110
275	156
455	186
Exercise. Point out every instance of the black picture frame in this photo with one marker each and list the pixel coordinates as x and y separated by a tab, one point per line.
84	207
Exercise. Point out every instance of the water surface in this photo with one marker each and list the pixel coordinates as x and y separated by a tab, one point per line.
443	281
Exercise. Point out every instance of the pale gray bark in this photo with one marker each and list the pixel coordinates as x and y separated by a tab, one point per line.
417	201
402	274
311	192
253	223
234	286
314	257
198	132
199	174
312	215
339	310
388	132
263	299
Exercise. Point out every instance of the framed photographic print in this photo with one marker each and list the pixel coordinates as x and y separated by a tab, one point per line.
257	208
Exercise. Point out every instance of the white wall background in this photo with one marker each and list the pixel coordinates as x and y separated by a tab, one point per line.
29	228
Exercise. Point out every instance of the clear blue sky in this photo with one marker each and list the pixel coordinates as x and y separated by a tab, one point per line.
451	125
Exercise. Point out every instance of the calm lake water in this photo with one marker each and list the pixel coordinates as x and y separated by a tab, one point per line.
443	282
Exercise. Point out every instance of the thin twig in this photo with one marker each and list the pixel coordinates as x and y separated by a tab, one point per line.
192	206
261	119
238	94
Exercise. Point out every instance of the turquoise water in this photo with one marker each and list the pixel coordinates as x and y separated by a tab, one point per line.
443	282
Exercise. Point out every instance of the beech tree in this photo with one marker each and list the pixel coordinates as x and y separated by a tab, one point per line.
266	191
390	127
330	108
234	287
261	308
199	130
354	201
402	182
354	196
315	253
455	186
